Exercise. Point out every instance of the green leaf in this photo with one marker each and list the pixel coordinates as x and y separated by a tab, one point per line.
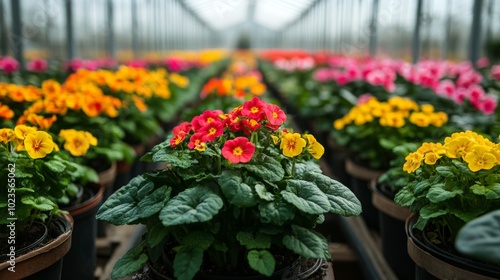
277	212
421	187
342	200
480	238
445	171
265	167
432	211
39	202
174	157
129	263
302	169
236	192
263	193
254	240
306	196
437	193
55	166
307	243
187	262
490	192
261	261
156	234
404	197
193	205
138	199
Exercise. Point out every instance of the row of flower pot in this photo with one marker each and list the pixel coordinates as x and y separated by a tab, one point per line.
448	183
58	178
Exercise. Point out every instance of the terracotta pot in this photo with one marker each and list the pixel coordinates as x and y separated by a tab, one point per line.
392	219
36	263
360	186
80	261
107	177
433	263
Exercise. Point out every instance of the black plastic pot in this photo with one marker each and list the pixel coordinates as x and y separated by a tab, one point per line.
295	271
392	219
79	263
431	262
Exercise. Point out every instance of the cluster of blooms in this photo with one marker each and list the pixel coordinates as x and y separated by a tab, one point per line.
392	113
294	64
478	152
39	143
456	81
245	120
8	64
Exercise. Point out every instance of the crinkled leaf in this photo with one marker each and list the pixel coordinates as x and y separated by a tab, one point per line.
437	193
187	262
307	243
265	167
306	196
129	263
302	169
480	238
445	171
138	199
263	193
404	197
421	187
198	239
490	191
261	261
342	200
236	192
432	211
197	204
277	212
252	240
55	166
156	234
178	159
39	202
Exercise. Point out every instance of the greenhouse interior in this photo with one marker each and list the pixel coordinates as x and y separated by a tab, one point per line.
249	139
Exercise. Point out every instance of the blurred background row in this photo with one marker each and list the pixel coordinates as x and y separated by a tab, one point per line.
148	29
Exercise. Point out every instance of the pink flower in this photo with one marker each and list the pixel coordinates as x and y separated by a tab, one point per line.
446	88
475	93
138	63
483	62
322	75
364	98
212	130
37	65
254	109
238	150
202	120
8	64
182	127
488	105
275	116
495	72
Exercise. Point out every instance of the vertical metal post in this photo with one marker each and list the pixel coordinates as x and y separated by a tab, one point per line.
373	29
475	32
70	39
447	29
3	31
135	39
17	40
110	30
416	33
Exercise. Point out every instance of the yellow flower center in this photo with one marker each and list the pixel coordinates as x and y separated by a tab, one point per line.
238	151
254	109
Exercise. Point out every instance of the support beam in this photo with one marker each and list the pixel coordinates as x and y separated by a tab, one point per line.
475	32
110	29
416	33
373	29
135	29
17	33
70	38
3	31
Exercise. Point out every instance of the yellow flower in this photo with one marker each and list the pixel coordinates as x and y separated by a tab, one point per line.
139	103
413	162
315	148
292	144
7	135
427	108
479	158
431	158
339	124
51	87
77	142
392	119
179	80
22	130
438	119
459	147
275	139
38	144
420	119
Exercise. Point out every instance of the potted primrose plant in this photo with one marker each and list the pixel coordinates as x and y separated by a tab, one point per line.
452	182
36	233
240	196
